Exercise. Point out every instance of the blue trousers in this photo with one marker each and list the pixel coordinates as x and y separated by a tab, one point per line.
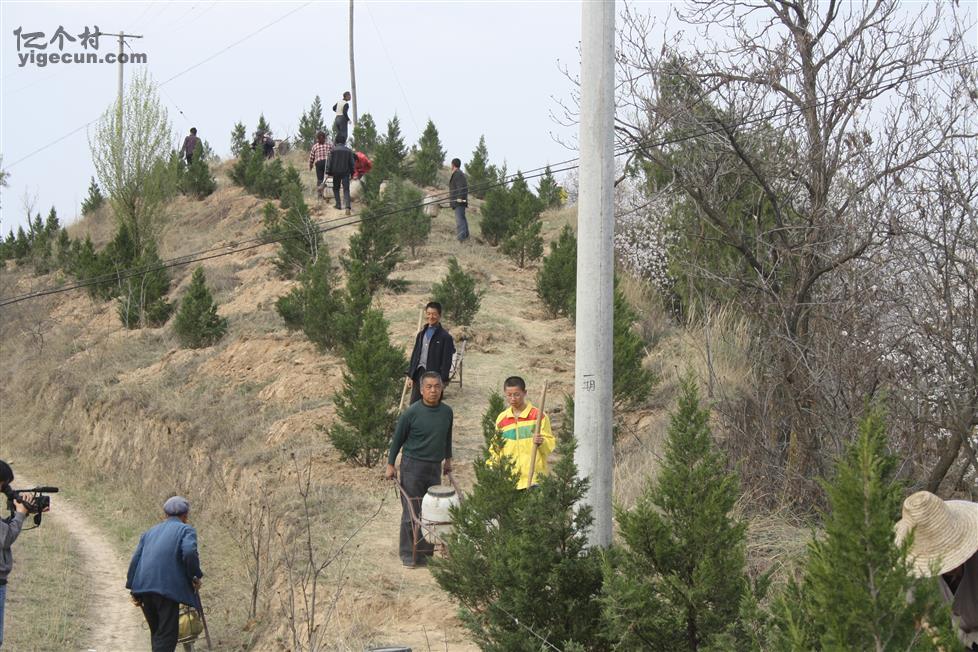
461	224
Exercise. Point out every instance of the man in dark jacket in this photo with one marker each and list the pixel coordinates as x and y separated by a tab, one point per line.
9	531
340	165
458	189
433	350
190	145
165	573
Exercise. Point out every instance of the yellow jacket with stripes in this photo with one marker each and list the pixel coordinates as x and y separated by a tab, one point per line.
517	434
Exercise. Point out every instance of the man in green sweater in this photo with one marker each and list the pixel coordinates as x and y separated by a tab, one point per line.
424	437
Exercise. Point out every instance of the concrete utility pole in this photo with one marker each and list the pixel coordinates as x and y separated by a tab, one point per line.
122	44
353	71
595	264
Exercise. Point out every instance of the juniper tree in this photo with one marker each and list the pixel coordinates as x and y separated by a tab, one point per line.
365	134
390	152
197	181
523	242
197	323
477	170
366	405
374	249
22	246
497	212
678	579
548	191
310	123
142	297
457	295
298	235
430	157
94	200
557	278
856	590
496	405
518	562
314	305
632	382
263	127
409	221
239	139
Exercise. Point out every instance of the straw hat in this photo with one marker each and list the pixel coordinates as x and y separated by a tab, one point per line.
945	532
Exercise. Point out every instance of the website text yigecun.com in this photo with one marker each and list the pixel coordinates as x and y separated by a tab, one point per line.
42	59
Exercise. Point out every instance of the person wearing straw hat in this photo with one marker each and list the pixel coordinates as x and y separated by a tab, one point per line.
945	546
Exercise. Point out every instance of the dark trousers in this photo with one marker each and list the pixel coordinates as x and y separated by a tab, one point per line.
416	385
320	172
346	191
340	124
163	616
416	477
461	224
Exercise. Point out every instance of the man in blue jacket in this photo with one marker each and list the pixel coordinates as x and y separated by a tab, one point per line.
165	573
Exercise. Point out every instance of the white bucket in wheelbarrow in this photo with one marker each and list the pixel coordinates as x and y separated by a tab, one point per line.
436	521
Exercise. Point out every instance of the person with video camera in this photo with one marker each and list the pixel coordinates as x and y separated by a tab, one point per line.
9	530
165	573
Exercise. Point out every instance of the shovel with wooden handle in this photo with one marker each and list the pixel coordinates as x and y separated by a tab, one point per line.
400	406
536	431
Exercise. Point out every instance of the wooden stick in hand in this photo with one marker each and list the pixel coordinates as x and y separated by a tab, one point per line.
400	405
536	431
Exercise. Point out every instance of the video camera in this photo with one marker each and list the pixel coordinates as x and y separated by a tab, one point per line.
37	506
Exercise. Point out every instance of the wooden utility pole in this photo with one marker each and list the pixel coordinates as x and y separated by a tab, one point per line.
353	71
595	265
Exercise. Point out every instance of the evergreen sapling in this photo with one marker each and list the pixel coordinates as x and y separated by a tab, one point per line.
457	294
557	278
197	323
430	157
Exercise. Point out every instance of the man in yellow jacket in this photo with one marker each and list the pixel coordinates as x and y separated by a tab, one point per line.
516	424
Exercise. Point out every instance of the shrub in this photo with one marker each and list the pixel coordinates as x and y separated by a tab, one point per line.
518	561
367	403
632	382
142	297
299	238
94	200
857	591
457	295
197	323
678	580
496	405
557	278
430	157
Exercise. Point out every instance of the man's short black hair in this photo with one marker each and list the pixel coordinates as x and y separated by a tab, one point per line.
6	473
457	162
515	381
435	305
193	130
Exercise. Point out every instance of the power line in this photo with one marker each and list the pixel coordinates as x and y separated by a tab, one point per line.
327	225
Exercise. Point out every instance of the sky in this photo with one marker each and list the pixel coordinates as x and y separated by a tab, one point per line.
474	68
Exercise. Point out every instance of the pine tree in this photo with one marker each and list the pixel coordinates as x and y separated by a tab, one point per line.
390	153
411	224
197	181
239	139
22	245
857	591
365	134
477	170
548	191
632	382
496	405
497	212
367	403
310	123
142	300
679	578
523	242
264	127
94	200
518	561
374	249
457	295
197	323
315	305
557	278
430	157
67	250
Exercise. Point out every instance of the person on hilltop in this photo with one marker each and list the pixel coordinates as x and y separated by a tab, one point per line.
516	424
342	120
433	350
190	145
268	145
458	191
340	165
317	156
423	436
165	573
945	547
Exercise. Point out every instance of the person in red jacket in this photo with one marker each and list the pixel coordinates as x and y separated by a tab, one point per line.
362	165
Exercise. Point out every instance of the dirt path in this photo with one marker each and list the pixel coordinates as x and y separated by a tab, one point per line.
113	624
